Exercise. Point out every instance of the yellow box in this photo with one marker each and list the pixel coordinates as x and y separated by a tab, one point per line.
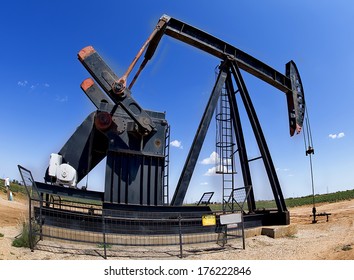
208	220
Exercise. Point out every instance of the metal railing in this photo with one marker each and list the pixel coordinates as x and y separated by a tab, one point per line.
108	229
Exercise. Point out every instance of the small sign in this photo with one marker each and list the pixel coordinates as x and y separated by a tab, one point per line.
229	219
208	220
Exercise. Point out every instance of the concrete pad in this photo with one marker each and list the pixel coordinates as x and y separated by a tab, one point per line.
279	231
251	232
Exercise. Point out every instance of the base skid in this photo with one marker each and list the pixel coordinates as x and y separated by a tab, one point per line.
267	217
145	220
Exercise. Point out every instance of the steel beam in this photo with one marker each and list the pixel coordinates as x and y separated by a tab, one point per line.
262	144
198	141
290	83
240	141
214	46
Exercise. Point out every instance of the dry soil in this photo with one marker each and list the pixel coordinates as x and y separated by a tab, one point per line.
332	240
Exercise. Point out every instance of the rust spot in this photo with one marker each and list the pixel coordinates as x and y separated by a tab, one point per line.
158	143
85	52
85	85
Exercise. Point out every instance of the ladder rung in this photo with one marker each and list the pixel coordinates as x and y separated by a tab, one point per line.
256	158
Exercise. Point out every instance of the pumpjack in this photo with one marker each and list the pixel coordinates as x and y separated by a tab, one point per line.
135	141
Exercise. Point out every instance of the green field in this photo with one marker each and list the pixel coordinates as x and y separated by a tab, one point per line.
300	201
308	200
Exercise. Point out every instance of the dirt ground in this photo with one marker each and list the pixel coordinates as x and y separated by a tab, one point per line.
332	240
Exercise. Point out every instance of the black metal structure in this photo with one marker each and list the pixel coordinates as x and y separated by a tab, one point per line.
205	199
78	217
134	139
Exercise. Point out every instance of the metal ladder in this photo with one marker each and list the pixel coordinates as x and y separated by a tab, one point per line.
166	168
225	148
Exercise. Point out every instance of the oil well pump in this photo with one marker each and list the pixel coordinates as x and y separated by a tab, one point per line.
136	141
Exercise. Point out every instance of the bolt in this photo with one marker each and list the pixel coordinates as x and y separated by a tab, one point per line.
118	87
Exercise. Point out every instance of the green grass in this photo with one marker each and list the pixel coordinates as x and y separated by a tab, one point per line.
1	234
24	240
101	245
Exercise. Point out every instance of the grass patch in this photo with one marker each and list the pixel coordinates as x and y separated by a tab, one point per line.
25	239
101	245
347	248
1	234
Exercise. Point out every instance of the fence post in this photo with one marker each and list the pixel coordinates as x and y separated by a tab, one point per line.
243	232
180	236
40	217
104	235
30	224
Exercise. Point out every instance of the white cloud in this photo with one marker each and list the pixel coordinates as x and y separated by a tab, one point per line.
32	86
211	171
176	144
282	169
62	99
212	159
22	83
217	170
336	136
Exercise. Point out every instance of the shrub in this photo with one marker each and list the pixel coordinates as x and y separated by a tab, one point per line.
25	239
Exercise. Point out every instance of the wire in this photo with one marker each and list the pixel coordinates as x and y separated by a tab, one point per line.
309	148
308	123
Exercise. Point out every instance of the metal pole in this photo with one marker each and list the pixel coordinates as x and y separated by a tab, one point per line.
104	235
180	236
40	218
243	231
30	224
313	193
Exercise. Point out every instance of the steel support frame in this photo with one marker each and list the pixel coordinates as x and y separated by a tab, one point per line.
228	70
191	161
240	141
258	133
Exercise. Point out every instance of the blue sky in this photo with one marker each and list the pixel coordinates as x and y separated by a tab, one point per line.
42	103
